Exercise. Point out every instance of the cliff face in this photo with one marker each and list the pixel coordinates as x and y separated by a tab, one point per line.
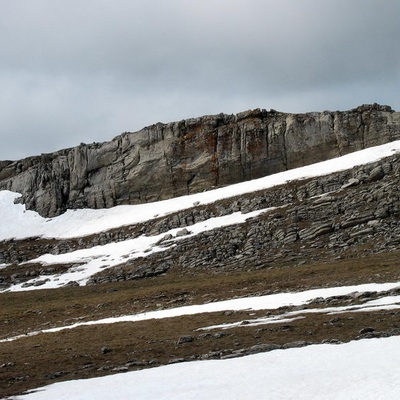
167	160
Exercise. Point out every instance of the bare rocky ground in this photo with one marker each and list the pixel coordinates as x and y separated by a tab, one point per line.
97	350
337	230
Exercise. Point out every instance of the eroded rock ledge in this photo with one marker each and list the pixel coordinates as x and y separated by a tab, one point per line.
167	160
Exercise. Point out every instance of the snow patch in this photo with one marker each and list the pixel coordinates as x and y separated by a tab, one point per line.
268	302
17	222
364	369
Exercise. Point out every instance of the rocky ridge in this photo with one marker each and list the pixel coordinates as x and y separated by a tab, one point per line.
351	214
348	214
168	160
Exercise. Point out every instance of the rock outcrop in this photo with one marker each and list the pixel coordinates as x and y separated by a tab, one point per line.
348	214
318	220
168	160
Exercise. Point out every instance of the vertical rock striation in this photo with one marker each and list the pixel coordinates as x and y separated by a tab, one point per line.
167	160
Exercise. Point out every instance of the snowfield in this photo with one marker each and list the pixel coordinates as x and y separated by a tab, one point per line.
365	369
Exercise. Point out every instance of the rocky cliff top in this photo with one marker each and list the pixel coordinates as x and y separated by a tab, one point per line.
167	160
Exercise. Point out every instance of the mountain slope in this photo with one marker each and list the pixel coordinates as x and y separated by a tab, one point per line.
311	254
323	216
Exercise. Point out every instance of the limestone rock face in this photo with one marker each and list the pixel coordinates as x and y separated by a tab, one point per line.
167	160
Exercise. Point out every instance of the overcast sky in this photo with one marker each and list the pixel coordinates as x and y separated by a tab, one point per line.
83	71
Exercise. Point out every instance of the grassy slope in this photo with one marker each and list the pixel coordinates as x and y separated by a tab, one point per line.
31	362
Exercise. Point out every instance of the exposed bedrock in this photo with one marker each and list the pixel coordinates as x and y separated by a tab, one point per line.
167	160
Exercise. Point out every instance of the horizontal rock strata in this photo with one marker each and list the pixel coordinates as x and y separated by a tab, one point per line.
317	219
354	222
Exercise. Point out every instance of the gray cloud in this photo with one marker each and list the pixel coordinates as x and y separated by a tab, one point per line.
83	71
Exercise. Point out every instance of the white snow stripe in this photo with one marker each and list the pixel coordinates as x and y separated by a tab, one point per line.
19	223
267	302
